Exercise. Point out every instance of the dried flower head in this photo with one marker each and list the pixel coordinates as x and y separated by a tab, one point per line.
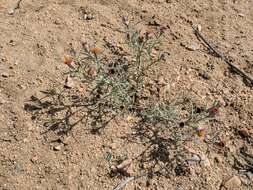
150	33
221	143
201	132
68	60
125	21
85	46
147	33
96	51
213	112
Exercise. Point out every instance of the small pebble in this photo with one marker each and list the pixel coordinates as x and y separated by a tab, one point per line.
218	159
241	15
66	140
21	86
194	159
69	83
192	47
88	17
2	101
199	27
25	140
58	147
34	159
19	167
179	188
205	161
124	164
11	12
233	182
250	175
244	133
205	75
161	81
5	75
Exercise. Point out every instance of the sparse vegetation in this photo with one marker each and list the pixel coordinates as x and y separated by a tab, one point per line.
113	86
116	86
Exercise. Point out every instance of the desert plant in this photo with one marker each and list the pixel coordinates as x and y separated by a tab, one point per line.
113	85
118	81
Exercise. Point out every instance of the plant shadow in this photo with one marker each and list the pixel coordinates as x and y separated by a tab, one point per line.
60	112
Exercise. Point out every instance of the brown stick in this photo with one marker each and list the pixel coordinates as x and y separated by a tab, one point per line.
220	55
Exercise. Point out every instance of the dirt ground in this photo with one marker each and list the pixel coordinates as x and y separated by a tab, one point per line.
33	42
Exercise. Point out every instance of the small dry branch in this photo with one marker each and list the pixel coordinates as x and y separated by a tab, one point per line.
124	183
220	55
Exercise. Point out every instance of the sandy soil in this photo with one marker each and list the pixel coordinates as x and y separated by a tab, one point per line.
33	42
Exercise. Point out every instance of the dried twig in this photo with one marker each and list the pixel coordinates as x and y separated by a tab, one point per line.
129	179
16	6
220	55
124	183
